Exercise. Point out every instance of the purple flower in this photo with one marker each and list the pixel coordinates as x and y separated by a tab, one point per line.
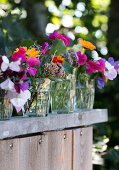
53	35
111	60
45	48
101	82
117	64
24	86
113	63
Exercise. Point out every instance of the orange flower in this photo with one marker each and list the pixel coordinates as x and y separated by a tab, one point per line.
87	44
32	52
58	59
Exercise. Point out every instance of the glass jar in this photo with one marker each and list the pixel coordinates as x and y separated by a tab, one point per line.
60	97
39	103
84	95
6	108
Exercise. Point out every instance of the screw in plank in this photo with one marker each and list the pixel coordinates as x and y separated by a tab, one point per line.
65	136
81	132
11	145
40	141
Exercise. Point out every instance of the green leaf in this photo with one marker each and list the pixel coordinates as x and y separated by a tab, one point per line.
27	43
58	47
67	67
9	53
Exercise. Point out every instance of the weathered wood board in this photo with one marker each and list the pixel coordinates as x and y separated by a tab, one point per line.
22	126
56	150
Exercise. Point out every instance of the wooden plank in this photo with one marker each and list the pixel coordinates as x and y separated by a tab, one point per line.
82	149
59	150
9	154
48	152
22	126
28	153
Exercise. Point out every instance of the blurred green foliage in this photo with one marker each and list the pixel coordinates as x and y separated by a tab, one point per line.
87	19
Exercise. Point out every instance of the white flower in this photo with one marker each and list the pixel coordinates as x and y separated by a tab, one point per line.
7	85
14	66
110	71
20	99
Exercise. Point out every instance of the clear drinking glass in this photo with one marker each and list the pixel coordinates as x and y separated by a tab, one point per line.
60	97
39	103
84	95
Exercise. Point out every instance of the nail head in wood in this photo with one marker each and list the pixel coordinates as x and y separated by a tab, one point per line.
81	133
11	145
40	141
65	136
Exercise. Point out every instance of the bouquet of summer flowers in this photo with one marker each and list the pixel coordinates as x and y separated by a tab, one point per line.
16	68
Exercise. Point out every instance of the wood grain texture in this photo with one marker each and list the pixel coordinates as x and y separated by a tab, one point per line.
56	150
82	149
22	126
60	150
9	154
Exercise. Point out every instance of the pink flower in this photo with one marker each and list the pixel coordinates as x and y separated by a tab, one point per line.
91	67
100	65
53	35
19	54
31	71
45	48
33	61
64	38
82	58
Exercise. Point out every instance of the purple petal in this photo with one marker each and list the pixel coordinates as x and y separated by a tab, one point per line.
116	64
53	35
101	82
24	86
111	61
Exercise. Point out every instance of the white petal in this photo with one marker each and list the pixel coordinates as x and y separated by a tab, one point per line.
25	95
111	74
5	63
7	85
4	66
17	102
15	66
5	59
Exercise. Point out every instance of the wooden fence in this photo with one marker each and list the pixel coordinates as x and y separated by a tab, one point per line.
66	149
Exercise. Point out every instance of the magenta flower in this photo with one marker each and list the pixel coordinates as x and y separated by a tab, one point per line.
91	67
53	35
31	71
64	38
33	61
100	65
19	54
82	58
45	48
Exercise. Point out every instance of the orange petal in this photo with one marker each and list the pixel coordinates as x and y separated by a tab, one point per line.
87	44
